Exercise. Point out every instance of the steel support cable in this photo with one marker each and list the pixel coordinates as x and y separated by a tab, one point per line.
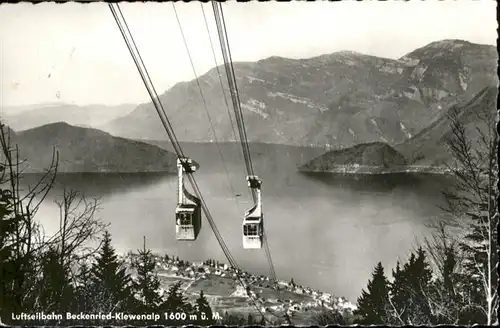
235	85
174	141
205	106
206	109
231	76
178	149
147	86
226	103
227	57
232	92
218	236
268	253
226	50
145	77
152	92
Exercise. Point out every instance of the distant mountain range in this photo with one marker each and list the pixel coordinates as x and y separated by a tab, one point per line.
28	117
341	99
88	150
335	101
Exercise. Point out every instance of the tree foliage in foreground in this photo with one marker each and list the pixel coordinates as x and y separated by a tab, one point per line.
372	305
455	280
76	269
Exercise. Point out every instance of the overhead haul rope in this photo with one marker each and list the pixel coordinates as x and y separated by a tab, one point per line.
129	40
234	96
219	18
226	103
205	106
273	275
218	73
239	119
206	109
226	51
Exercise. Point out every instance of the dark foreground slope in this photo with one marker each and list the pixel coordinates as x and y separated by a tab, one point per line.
89	150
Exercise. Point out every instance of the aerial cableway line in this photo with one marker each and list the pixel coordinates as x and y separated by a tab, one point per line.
253	224
205	106
233	87
253	181
127	36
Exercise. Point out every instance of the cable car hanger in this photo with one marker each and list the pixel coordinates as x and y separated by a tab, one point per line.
253	220
187	212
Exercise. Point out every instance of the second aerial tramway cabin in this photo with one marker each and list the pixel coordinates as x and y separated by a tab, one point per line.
253	224
188	210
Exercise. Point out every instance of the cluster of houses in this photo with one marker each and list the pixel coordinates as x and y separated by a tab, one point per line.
201	270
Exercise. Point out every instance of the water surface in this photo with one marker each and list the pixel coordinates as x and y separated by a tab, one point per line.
326	231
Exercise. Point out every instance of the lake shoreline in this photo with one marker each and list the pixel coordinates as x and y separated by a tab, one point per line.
159	172
378	170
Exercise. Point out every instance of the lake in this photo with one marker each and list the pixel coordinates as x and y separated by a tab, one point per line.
326	231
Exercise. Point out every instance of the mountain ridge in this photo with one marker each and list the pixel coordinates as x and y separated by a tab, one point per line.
428	147
88	150
377	156
31	116
337	99
421	153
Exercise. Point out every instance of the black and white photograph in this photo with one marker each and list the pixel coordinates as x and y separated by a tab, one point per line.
227	163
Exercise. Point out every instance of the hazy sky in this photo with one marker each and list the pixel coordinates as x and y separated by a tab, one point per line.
74	53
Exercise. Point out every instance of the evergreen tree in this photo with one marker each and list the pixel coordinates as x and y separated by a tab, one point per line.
203	311
410	291
8	265
148	284
447	289
373	303
83	290
250	320
230	319
398	294
112	286
480	251
55	290
419	280
17	261
176	302
331	317
421	277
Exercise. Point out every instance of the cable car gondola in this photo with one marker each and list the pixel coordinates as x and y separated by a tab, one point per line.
253	225
188	210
